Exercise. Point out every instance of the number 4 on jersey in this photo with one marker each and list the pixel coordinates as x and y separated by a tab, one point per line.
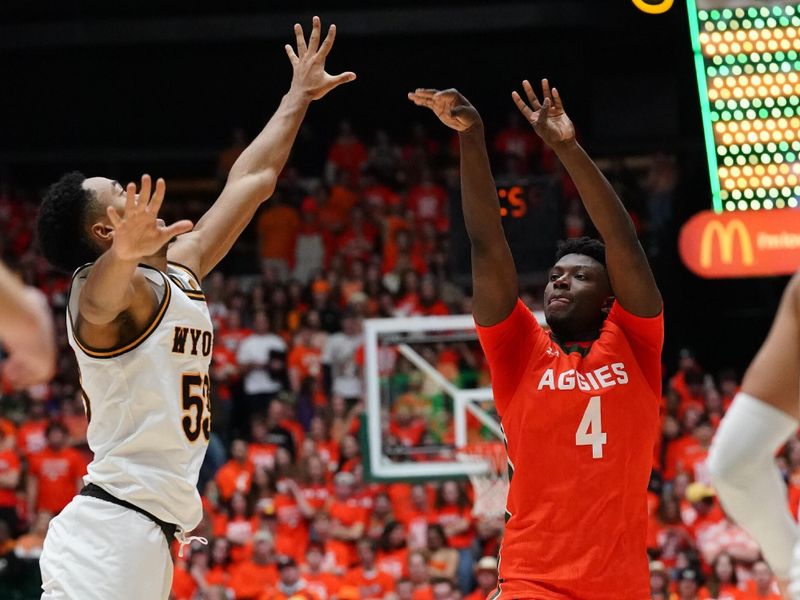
590	430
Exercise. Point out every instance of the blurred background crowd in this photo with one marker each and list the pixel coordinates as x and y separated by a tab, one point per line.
287	508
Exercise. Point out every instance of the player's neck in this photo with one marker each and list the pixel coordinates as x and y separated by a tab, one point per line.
566	338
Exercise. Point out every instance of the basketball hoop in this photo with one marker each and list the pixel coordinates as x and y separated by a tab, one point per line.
491	486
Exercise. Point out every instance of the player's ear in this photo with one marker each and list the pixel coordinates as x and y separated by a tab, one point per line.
102	232
608	304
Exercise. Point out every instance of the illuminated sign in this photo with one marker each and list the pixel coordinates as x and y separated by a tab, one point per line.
747	59
515	197
751	244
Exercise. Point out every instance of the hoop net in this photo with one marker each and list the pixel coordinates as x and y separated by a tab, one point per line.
491	487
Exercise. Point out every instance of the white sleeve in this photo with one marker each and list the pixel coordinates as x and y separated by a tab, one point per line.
748	482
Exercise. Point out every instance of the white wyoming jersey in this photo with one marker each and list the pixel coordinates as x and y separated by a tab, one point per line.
148	401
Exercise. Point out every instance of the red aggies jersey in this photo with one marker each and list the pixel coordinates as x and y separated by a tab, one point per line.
580	432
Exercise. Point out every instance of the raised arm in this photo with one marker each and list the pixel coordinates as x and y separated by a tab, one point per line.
253	177
631	278
494	277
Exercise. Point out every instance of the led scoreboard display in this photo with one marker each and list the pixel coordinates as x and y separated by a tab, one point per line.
530	212
747	57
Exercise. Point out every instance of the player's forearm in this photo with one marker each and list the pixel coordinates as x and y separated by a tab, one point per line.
108	290
266	156
494	276
478	192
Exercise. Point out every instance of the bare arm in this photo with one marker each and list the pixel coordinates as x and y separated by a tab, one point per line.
494	276
631	278
254	175
26	331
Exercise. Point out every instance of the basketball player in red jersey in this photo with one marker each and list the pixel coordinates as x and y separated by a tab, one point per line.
579	405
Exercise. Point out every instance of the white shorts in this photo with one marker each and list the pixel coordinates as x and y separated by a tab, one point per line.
96	550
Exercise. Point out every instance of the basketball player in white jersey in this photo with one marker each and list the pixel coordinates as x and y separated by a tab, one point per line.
764	415
141	332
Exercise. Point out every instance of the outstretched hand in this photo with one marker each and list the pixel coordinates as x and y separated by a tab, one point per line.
548	118
308	64
450	106
139	232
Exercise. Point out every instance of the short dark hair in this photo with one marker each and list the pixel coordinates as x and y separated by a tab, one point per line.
582	245
60	225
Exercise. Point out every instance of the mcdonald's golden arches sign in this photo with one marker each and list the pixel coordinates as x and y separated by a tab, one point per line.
756	243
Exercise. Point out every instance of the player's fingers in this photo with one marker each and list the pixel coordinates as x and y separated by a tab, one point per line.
328	43
544	114
178	228
546	89
158	196
532	98
523	108
130	199
313	41
419	100
301	40
144	191
337	80
557	100
290	53
426	92
113	216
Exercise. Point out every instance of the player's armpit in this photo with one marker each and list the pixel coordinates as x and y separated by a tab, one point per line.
142	307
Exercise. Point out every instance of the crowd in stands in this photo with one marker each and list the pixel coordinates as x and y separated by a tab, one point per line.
288	513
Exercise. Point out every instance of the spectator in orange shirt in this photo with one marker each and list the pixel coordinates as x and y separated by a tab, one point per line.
420	576
348	519
455	517
427	200
347	155
321	583
379	505
392	551
241	526
292	513
372	583
443	589
304	360
9	481
290	584
31	435
486	576
250	578
237	473
723	583
417	517
220	563
442	560
687	586
54	473
277	228
668	535
763	585
315	487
